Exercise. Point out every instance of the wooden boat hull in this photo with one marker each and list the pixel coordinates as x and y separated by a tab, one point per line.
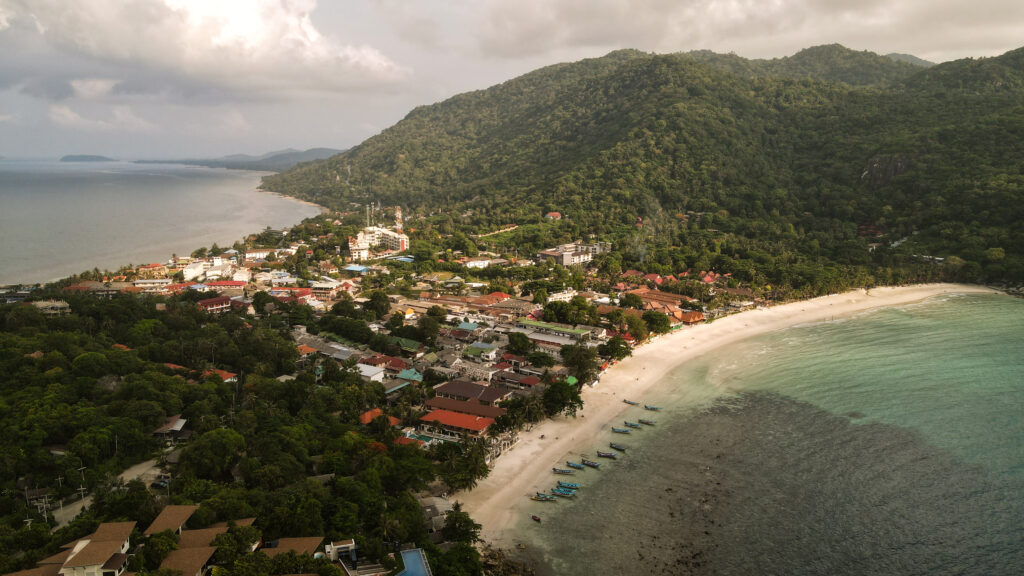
621	430
561	471
648	422
606	454
575	465
572	485
652	408
618	447
631	403
591	463
632	424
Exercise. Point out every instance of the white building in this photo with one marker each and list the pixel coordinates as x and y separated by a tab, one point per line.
195	270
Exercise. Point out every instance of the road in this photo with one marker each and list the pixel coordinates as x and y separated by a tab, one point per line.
145	470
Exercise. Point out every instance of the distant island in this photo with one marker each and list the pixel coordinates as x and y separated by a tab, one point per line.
277	161
85	158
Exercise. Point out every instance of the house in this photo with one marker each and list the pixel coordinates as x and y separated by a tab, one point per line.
188	561
224	375
371	373
172	427
200	538
411	376
341	550
692	318
171	518
472	407
453	425
217	305
370	415
309	545
465	390
479	354
102	553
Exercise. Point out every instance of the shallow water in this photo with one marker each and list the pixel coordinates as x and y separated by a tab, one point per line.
58	219
887	443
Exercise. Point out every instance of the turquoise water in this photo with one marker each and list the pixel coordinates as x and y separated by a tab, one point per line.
58	219
891	442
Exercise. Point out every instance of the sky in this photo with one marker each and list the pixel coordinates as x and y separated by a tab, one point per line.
137	79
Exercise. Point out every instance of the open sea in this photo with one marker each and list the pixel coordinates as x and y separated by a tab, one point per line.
888	443
62	218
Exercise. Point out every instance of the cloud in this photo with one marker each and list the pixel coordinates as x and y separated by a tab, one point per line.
122	119
6	118
756	28
91	88
260	48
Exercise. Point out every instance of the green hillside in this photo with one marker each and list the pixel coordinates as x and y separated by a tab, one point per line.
781	171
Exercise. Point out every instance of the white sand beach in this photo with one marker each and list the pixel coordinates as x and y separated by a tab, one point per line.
497	502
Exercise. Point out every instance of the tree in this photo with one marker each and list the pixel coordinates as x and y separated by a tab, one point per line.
540	296
157	547
637	327
540	359
519	343
657	322
630	300
581	361
212	455
562	397
378	303
459	527
616	348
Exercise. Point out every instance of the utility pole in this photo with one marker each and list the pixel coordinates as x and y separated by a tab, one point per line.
82	470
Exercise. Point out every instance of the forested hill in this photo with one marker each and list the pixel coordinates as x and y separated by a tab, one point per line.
803	160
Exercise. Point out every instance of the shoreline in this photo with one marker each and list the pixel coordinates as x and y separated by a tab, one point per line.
498	502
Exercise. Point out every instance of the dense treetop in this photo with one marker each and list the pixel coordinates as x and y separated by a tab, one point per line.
787	168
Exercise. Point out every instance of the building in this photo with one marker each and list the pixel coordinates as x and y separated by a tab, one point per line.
217	305
51	308
309	545
189	561
359	246
574	253
171	518
102	553
453	425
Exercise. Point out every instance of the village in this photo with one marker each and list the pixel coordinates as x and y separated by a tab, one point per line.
481	350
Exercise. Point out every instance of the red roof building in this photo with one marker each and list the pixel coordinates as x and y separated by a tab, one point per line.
454	425
371	415
217	305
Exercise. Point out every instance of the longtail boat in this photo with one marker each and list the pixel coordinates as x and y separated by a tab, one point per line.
630	402
606	454
646	421
631	424
575	465
591	463
572	485
618	447
543	498
652	408
563	492
561	471
620	430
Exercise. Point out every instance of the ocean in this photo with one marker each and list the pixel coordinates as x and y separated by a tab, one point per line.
58	218
887	443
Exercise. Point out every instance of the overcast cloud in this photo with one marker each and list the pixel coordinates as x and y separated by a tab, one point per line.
164	78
